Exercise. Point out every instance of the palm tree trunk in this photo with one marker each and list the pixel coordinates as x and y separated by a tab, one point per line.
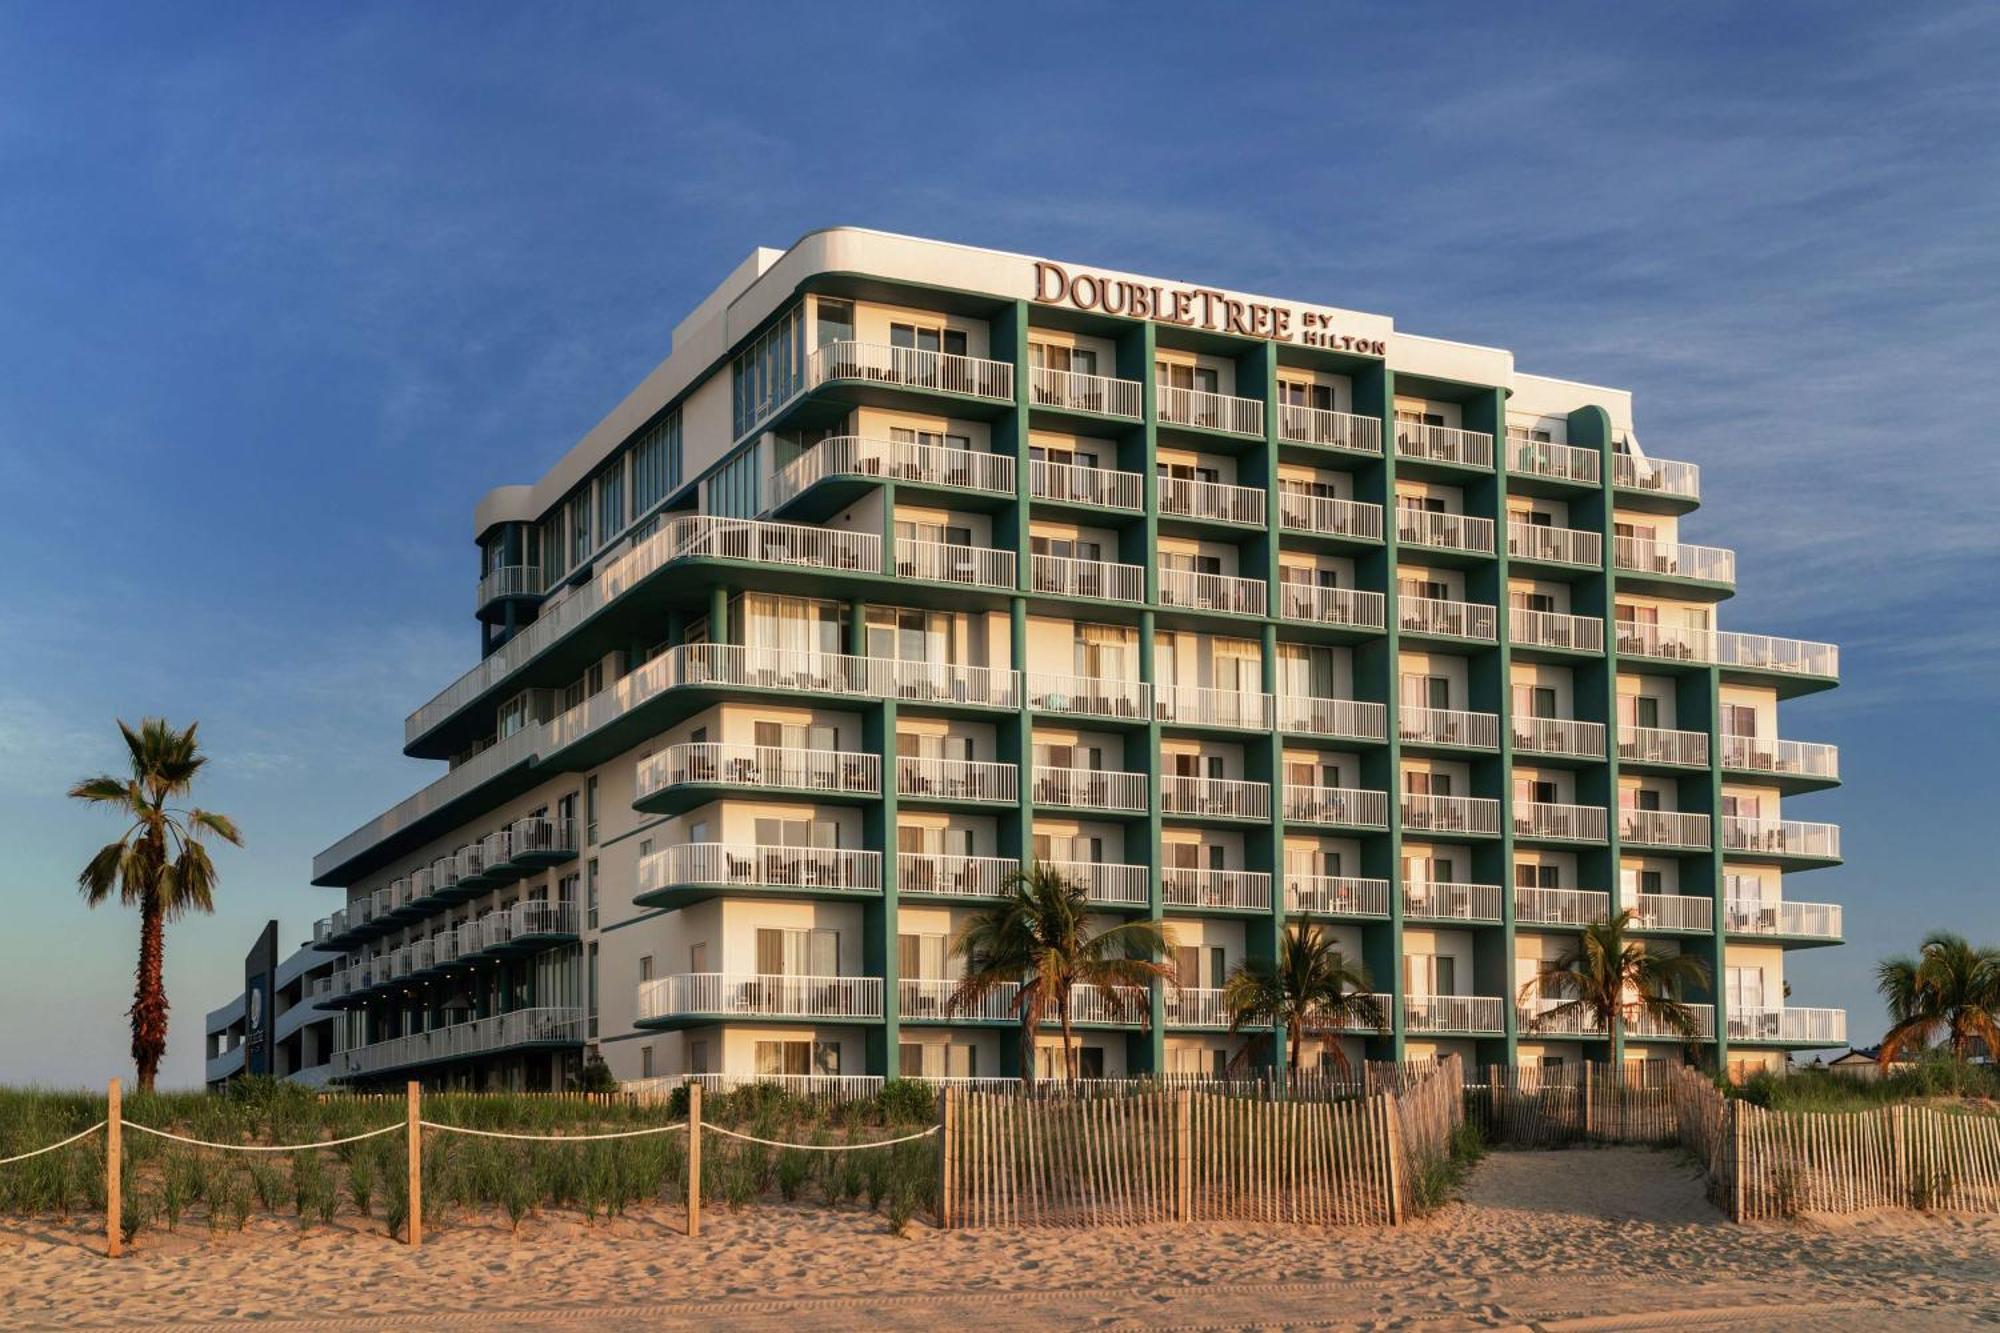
1296	1032
1069	1043
149	995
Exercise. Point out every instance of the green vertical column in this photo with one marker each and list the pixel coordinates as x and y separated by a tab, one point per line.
1152	1046
1010	437
1375	678
1493	951
1141	452
718	615
1020	843
880	955
1710	721
1264	937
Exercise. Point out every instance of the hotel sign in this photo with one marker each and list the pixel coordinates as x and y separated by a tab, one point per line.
1197	308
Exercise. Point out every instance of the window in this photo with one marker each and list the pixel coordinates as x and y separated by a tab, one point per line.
698	957
1426	974
610	486
1070	360
797	1058
735	490
1638	710
835	322
1528	875
590	810
697	1057
646	1059
928	338
1739	720
791	952
646	967
1534	701
1416	783
1420	691
1304	393
656	464
590	984
579	527
767	372
920	957
589	891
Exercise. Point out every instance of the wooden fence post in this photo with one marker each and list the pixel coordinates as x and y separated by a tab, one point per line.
1392	1141
415	1095
1735	1160
947	1154
1183	1157
694	1159
1899	1155
1586	1099
114	1159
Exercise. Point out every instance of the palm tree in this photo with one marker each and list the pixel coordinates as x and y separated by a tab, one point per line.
158	865
1038	936
1950	986
1613	979
1313	989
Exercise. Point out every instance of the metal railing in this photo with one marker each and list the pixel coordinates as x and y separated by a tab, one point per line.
1550	819
936	874
1209	411
479	1036
944	562
497	849
1230	890
1202	706
1451	814
694	994
1431	901
1665	643
1088	1004
1537	1016
1779	837
1107	882
1558	736
1213	592
1827	1027
957	779
1103	579
1662	476
734	764
1076	392
1446	532
1553	629
1685	913
897	460
510	581
910	367
915	681
1453	1013
1316	605
1563	462
1556	546
539	835
1212	500
1448	726
1073	484
1663	828
1560	907
1356	719
1231	798
1336	895
1644	555
1639	1023
761	866
1763	754
1761	652
1444	444
1756	916
1090	789
1663	745
1300	511
928	1000
1434	615
1194	1007
1333	430
1090	696
1360	807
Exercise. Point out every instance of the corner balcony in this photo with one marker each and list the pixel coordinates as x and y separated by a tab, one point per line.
1090	696
522	1029
1664	828
1226	710
696	871
1091	395
1461	534
1194	1007
1781	839
1345	608
1788	1026
1665	643
926	779
683	776
1799	664
1324	429
1796	765
1225	593
928	1000
943	562
1197	409
845	466
1226	799
1642	562
1203	890
1554	462
1099	580
1554	630
1558	737
1107	883
706	997
1325	516
1572	548
1346	719
1674	913
1783	919
1336	807
1560	907
871	365
1336	896
1641	1026
1663	747
1451	814
1549	821
1448	728
1677	484
941	875
1470	1015
1537	1018
1436	618
1211	502
1476	903
1444	444
1101	790
1087	487
509	583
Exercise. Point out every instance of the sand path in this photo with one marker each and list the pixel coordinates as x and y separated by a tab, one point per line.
1611	1238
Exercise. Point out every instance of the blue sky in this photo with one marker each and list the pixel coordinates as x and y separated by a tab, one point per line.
283	291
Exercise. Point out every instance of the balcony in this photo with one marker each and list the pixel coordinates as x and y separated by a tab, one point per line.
1554	822
1573	547
1198	889
1663	828
1666	643
1108	884
509	581
1450	727
1194	1007
1427	901
1443	444
928	1000
1806	921
1096	395
1553	629
937	875
1336	895
1789	839
1326	516
1674	560
1347	719
944	562
1478	1015
523	928
1808	763
1090	696
522	1029
979	781
538	842
1339	807
1312	604
1214	798
1104	1006
704	996
1326	429
1663	746
1451	814
1435	617
1461	533
1789	1026
1537	1017
691	872
1106	791
1200	410
683	776
1741	653
1557	462
1089	487
911	368
1199	706
1645	1027
1656	476
1102	580
1558	737
1560	907
1674	913
1225	593
1211	501
856	459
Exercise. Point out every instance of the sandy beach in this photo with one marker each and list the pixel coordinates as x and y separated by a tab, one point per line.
1609	1238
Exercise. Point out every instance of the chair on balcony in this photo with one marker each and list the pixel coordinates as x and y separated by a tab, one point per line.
740	869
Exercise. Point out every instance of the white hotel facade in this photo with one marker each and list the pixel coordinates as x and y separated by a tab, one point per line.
915	562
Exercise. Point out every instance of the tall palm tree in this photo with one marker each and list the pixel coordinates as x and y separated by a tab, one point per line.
1038	936
1949	986
159	864
1313	990
1613	978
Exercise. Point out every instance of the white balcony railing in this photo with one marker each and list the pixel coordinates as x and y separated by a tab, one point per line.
1228	890
1683	913
916	681
1107	882
933	874
1301	511
1763	754
928	1000
1431	901
1210	411
1553	629
910	367
1444	532
510	581
1455	620
1560	907
1821	1027
1102	579
1663	828
1076	392
1780	837
1448	726
1663	745
1563	462
1354	719
1662	476
896	460
1187	498
1643	555
730	764
760	866
1550	819
1094	486
1090	696
940	778
523	1027
1336	895
1201	706
1665	643
1444	444
1639	1023
1228	798
1090	789
1761	652
1555	546
1757	916
1451	814
1093	1004
1453	1013
1313	604
1332	430
1537	1016
945	562
1358	807
1194	1007
1558	736
539	835
1213	592
700	994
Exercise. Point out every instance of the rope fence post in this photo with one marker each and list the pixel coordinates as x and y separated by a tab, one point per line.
694	1160
415	1222
114	1154
947	1154
1183	1179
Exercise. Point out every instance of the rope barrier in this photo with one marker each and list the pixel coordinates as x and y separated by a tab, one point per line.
553	1138
264	1147
8	1161
820	1147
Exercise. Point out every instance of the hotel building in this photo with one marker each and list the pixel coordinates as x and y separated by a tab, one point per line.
914	563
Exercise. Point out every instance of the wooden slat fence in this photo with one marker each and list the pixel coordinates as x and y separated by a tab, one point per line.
1524	1106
